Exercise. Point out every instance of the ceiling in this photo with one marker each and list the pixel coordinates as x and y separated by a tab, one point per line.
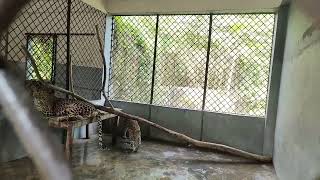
181	6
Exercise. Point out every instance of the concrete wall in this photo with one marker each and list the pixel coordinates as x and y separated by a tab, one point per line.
142	110
297	138
85	80
242	132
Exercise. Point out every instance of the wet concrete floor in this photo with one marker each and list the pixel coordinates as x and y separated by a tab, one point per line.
154	160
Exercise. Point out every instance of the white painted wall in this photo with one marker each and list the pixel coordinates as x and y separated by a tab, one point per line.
297	137
181	6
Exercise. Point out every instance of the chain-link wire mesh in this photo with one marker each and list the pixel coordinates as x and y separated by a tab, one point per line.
42	27
132	58
60	76
181	59
3	43
241	47
237	61
87	63
43	50
35	20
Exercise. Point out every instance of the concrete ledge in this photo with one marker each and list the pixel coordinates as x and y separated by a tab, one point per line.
242	132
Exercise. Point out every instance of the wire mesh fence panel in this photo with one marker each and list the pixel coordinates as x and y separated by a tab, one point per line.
3	43
42	27
238	62
241	48
60	75
84	18
132	58
87	63
33	28
180	61
43	49
87	66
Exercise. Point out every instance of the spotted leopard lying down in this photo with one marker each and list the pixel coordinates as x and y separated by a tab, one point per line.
48	104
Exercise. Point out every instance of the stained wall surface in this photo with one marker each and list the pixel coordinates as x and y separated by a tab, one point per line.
297	137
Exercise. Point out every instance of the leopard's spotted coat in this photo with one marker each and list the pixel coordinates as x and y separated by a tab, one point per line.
47	103
131	136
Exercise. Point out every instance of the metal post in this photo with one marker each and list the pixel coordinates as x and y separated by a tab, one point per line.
62	34
206	74
68	73
68	68
154	59
207	64
110	52
87	132
54	58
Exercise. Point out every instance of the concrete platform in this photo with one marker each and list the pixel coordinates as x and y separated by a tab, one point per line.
155	160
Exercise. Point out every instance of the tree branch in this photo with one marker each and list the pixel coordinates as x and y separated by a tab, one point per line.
33	63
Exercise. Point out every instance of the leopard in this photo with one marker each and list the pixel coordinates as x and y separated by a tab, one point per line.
48	104
130	140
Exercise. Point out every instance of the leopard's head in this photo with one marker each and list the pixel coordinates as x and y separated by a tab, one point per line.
42	96
128	142
37	89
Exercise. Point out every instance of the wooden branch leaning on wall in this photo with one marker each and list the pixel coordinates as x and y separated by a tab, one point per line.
179	136
71	76
104	66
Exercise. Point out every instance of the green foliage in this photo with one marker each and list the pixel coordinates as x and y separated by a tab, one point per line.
41	49
239	59
133	62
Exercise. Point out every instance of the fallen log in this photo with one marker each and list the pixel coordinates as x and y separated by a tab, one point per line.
182	137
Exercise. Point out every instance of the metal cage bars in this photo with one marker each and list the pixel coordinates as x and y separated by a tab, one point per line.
243	39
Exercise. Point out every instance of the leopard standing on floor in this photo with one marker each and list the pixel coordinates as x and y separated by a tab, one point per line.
131	136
